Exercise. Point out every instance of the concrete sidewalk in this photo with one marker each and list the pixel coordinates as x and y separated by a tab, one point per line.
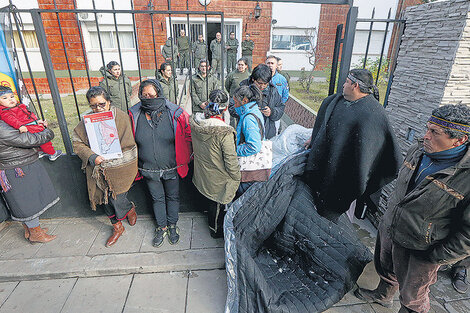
76	273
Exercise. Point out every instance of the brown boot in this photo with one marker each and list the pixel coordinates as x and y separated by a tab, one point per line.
37	234
26	230
132	216
118	229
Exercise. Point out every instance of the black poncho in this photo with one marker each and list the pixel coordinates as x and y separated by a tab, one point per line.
354	153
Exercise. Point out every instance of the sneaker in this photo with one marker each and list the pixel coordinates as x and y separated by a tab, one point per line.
173	234
160	234
459	279
371	297
42	154
55	156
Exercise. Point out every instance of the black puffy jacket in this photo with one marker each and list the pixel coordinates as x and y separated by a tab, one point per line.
18	149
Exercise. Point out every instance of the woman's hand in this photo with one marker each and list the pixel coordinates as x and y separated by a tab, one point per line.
99	159
23	129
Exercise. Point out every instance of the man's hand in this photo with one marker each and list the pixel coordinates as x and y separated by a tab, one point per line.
266	111
307	143
23	129
203	105
99	159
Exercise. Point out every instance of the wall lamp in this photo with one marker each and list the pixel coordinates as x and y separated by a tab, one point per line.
257	10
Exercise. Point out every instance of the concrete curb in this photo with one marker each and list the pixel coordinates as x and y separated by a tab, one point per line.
115	264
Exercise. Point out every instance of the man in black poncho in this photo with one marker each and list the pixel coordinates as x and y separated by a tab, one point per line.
353	149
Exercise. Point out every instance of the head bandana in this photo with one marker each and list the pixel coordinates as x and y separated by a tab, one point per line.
360	82
449	125
215	109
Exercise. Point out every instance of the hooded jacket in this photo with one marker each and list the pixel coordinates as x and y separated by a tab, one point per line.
216	171
248	125
181	127
168	87
166	51
116	90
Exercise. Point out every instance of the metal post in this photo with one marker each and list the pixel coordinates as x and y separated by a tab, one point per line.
383	47
348	43
174	74
136	41
190	45
401	29
46	58
222	30
154	43
120	55
334	64
101	44
368	39
85	59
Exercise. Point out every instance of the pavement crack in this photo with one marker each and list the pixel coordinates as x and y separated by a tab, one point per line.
63	305
128	292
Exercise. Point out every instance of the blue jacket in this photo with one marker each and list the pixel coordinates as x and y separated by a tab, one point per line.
282	86
248	125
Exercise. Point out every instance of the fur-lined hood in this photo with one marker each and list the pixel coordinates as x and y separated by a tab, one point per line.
206	128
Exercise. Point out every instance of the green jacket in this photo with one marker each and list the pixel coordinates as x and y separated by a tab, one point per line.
216	48
115	89
168	87
199	50
247	47
216	171
199	92
434	216
166	51
233	80
233	44
183	43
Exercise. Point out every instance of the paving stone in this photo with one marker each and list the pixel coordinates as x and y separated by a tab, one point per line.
207	291
161	292
184	225
6	289
359	308
72	239
98	294
14	246
129	242
350	299
381	309
443	289
201	237
38	296
459	306
436	307
369	278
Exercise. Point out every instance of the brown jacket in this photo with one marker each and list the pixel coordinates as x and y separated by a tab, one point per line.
111	177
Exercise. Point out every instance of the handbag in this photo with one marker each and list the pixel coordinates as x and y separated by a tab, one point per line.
257	167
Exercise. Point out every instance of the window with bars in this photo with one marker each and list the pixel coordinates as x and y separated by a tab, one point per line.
109	40
196	30
228	29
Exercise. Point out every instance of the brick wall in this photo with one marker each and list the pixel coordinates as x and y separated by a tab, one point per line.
259	29
330	16
432	68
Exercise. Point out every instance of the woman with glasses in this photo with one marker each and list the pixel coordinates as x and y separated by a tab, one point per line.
163	136
109	181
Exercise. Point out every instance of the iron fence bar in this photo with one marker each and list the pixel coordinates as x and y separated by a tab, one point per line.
55	93
101	44
154	44
94	10
85	59
334	65
28	65
67	61
207	53
368	39
190	45
348	43
120	55
383	47
222	51
379	20
173	67
136	41
393	66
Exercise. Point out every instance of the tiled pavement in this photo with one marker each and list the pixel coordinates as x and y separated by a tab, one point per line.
133	276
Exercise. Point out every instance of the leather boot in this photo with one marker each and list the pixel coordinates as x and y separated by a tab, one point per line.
132	216
37	234
118	229
26	231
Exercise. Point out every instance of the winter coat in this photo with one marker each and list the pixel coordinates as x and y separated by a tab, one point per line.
435	215
280	82
115	89
18	149
168	87
183	43
234	79
247	47
166	51
112	176
200	50
216	170
249	126
20	115
216	48
199	92
181	127
233	44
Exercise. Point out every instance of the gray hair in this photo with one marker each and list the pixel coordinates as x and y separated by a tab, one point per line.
459	113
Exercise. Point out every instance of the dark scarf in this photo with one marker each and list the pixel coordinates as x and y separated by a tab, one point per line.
155	108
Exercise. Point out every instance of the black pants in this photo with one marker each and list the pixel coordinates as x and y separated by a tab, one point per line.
165	195
215	216
118	208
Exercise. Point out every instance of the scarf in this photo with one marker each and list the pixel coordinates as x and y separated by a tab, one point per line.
155	108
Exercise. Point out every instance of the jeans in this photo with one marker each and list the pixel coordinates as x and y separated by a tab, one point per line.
118	208
165	199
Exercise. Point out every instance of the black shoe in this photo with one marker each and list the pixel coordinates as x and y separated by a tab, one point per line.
371	297
160	234
216	235
459	279
173	234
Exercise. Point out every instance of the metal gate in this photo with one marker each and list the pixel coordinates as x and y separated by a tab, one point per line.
102	38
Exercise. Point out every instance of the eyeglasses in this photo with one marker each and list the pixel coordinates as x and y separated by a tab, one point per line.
98	105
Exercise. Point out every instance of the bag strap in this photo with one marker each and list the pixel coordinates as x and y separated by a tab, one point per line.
261	128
